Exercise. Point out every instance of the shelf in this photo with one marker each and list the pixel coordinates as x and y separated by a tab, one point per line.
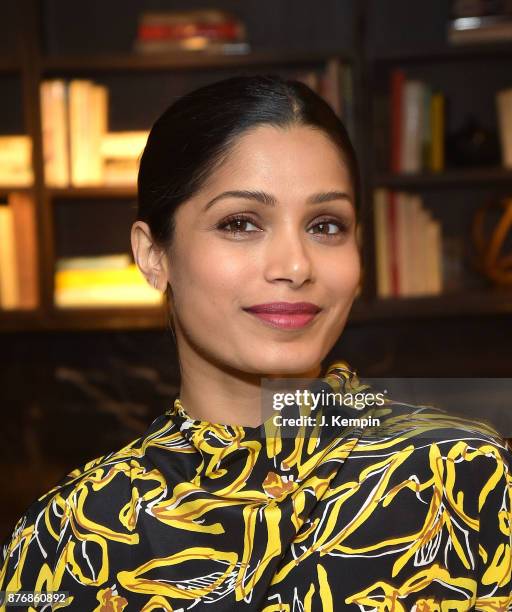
15	320
475	303
180	61
123	191
459	52
130	318
470	303
6	190
450	178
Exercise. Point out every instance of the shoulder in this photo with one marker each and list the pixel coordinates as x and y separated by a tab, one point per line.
438	442
30	552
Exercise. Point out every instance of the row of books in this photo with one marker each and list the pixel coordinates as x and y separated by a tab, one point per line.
80	151
480	21
103	280
78	148
16	161
408	246
18	253
207	30
417	125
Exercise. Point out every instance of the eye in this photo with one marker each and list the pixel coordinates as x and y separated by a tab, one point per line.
328	227
237	223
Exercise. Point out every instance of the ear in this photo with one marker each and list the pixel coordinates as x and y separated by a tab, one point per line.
150	258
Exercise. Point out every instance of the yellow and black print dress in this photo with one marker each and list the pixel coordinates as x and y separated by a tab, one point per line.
206	517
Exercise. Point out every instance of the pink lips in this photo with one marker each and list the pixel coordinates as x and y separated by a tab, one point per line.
285	315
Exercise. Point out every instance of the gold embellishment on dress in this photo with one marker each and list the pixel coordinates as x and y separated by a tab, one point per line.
275	486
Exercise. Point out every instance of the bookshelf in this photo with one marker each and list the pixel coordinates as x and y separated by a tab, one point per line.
124	71
455	190
32	65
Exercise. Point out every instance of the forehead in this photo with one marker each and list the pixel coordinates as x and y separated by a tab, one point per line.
295	156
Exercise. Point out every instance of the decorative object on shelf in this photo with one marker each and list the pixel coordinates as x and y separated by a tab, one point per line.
473	145
480	21
491	259
206	30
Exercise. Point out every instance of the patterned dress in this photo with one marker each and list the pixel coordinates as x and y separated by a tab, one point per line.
412	515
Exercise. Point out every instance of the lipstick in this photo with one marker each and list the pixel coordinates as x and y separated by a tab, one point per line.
285	315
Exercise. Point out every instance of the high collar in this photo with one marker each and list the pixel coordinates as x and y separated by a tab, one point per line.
267	461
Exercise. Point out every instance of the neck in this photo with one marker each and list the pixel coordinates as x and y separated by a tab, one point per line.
220	394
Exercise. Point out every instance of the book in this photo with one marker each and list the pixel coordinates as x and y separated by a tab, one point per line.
9	288
331	85
212	30
25	240
504	108
480	21
433	258
382	246
112	262
103	286
55	121
437	119
16	161
123	145
88	107
397	86
412	126
408	246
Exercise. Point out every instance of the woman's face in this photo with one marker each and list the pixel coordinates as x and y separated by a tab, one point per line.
291	238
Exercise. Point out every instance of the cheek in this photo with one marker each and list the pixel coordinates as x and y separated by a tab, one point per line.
341	275
209	280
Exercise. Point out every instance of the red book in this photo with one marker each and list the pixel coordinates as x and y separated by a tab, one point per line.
397	85
215	31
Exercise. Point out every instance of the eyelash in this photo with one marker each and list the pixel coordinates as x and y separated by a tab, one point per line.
343	227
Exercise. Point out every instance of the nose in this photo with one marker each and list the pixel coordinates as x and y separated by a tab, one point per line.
288	258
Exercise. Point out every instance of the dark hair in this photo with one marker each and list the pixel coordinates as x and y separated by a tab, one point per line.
194	135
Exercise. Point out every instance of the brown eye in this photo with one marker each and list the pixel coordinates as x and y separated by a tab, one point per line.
330	227
237	225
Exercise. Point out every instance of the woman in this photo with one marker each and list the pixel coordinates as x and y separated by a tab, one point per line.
248	202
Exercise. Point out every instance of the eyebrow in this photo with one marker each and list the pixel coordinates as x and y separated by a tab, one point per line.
270	200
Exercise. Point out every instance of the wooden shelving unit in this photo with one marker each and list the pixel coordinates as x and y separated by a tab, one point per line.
459	178
180	62
33	66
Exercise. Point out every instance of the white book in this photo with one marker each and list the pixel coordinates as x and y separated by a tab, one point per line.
9	291
55	124
504	107
124	145
79	130
434	257
412	126
16	160
110	262
402	205
98	120
415	234
424	217
116	295
382	246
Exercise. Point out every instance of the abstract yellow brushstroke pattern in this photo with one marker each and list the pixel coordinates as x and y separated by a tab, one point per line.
414	515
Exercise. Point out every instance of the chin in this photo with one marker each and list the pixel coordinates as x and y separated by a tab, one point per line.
288	366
